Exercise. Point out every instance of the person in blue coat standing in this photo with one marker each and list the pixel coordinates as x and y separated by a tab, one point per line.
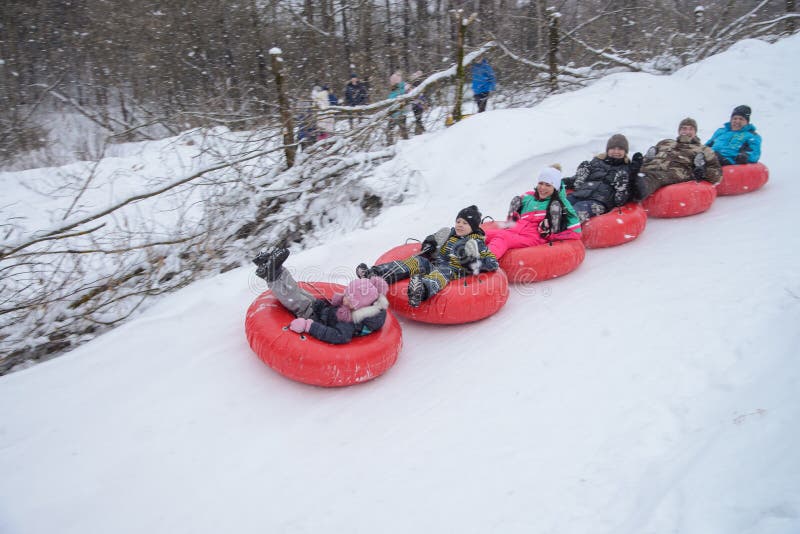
737	142
483	82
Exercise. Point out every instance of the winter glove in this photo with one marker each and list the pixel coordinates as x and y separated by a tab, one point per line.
470	252
428	246
514	207
742	156
699	166
650	154
544	228
300	325
636	163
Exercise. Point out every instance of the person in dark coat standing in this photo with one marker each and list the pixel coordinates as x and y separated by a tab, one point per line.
483	82
358	311
604	182
355	92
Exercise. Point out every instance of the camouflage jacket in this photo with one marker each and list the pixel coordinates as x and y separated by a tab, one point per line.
674	161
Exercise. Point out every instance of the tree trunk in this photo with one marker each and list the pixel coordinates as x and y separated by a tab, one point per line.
552	49
286	110
462	25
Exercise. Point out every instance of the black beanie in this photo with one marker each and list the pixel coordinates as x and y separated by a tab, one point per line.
472	215
617	141
742	111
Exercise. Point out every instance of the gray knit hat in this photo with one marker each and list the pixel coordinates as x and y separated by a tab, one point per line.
617	141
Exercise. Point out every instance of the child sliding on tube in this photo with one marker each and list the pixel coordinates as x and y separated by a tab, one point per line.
359	311
448	254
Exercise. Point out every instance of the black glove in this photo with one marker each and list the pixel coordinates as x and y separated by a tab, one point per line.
544	228
514	207
636	164
699	170
428	246
742	156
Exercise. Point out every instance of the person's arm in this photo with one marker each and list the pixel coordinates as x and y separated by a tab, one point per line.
581	174
713	168
488	261
337	335
434	242
753	150
620	181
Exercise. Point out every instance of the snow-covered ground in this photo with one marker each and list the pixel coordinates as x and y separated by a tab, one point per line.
654	390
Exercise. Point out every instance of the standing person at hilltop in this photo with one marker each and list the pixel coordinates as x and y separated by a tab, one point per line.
397	118
321	101
483	82
355	92
737	142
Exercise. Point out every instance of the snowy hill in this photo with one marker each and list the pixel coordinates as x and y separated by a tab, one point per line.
653	390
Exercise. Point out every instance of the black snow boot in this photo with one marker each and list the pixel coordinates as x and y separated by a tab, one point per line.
391	272
362	271
416	291
643	187
270	263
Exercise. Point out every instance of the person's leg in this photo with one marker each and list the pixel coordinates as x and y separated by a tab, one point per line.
401	123
295	299
421	287
644	186
506	240
401	269
587	209
481	99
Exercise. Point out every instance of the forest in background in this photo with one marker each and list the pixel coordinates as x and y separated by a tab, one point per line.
149	69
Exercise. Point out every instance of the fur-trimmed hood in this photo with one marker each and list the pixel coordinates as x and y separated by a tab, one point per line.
345	314
603	156
380	304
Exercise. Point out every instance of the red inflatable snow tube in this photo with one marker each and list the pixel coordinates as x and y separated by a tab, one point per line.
306	359
618	226
680	200
543	262
739	179
464	300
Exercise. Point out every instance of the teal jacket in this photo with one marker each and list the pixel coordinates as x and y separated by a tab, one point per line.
728	143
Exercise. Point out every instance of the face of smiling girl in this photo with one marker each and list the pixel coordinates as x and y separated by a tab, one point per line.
545	190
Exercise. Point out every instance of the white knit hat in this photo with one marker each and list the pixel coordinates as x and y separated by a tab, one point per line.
552	176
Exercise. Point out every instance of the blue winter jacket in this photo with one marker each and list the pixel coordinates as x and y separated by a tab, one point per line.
728	143
483	79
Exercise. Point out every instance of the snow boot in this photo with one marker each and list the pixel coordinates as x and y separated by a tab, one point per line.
362	271
556	209
270	263
391	272
416	291
643	187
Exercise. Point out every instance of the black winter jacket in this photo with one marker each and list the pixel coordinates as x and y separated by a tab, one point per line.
327	327
603	179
